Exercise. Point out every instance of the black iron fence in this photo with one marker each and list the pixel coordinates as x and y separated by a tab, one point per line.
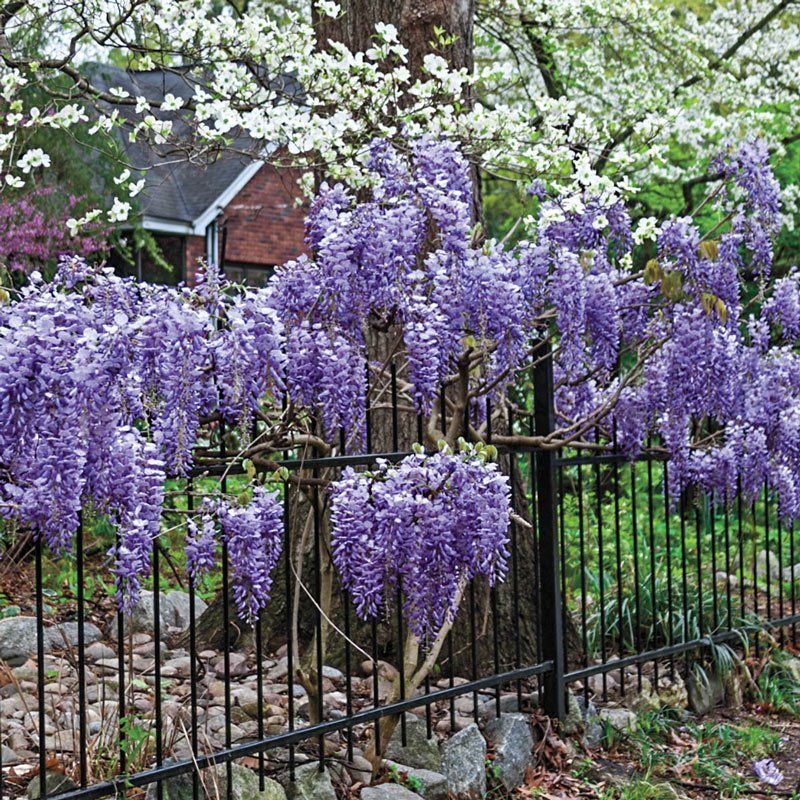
609	585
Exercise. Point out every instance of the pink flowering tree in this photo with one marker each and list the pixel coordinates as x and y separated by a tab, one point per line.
34	232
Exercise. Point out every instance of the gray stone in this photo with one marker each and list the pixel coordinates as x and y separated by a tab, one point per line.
513	748
620	719
8	756
672	692
332	673
272	790
244	785
705	691
767	565
791	664
177	609
311	784
419	751
173	611
388	791
55	783
579	715
431	785
464	763
509	704
18	638
359	769
791	573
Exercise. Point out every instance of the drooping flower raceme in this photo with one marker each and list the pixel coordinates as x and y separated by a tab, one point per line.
427	525
102	389
253	535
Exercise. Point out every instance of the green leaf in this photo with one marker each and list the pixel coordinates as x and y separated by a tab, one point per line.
709	249
652	271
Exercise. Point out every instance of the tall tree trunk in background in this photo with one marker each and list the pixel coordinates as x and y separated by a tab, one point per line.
416	22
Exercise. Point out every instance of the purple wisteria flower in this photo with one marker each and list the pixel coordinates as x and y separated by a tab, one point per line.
427	525
767	771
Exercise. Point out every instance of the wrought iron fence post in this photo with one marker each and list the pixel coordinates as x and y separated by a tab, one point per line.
554	700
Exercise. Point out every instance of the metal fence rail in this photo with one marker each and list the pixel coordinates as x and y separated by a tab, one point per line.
618	580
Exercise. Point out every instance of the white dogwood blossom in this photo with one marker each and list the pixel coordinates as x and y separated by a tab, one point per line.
598	97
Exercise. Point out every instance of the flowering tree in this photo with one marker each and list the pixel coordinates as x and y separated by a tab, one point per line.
624	94
651	330
34	231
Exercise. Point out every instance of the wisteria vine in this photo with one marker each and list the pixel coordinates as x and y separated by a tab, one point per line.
107	385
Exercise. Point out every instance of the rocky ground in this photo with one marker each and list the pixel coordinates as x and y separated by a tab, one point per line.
520	752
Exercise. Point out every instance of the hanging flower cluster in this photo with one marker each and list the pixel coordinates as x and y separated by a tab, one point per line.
427	525
253	536
102	389
372	262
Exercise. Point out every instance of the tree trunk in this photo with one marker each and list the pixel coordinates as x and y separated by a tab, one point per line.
416	22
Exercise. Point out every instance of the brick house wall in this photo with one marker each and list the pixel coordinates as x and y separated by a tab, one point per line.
264	225
194	252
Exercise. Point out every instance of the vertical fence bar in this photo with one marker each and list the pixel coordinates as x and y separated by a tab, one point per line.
618	554
193	655
514	550
655	616
584	596
82	733
157	663
668	541
551	611
122	709
601	575
290	644
637	591
40	669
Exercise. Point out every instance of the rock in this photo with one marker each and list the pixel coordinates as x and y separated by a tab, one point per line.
509	704
173	612
513	748
791	573
578	714
388	791
332	673
18	638
385	670
359	769
791	665
55	783
767	565
641	699
177	609
620	719
99	650
272	790
311	784
464	763
705	691
244	785
419	752
603	682
8	756
431	785
672	692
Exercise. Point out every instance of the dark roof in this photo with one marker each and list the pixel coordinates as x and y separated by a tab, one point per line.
175	187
